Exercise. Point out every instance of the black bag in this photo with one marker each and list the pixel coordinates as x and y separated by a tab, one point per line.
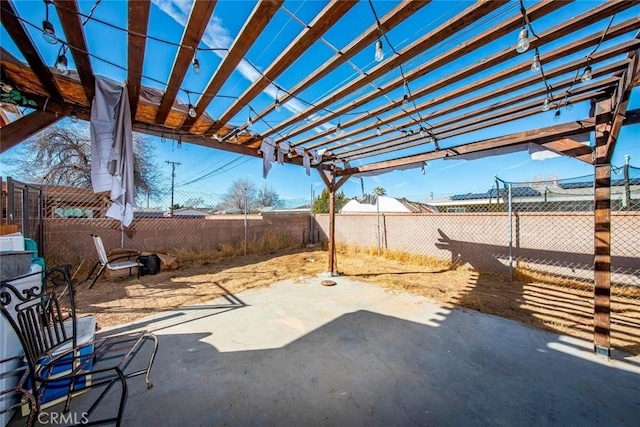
150	264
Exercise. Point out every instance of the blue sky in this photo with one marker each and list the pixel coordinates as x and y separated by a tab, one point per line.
221	168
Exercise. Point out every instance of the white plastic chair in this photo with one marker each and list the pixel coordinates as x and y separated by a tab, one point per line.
104	263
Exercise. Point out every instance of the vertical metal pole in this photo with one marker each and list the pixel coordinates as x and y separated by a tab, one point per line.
26	231
510	236
245	220
11	209
173	179
311	218
627	189
378	215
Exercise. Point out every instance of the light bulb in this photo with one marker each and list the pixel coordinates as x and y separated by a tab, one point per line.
278	106
378	131
587	74
547	104
289	154
192	111
379	56
422	132
249	122
61	64
48	32
338	129
196	66
422	170
405	100
535	64
556	116
568	105
523	41
74	117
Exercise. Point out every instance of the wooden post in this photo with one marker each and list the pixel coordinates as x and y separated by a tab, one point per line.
329	179
602	232
332	227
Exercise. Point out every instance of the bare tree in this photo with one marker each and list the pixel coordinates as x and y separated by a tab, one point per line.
267	197
241	190
61	155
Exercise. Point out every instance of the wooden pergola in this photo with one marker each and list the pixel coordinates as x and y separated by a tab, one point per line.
449	92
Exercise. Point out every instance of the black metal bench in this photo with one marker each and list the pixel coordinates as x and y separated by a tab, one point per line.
58	360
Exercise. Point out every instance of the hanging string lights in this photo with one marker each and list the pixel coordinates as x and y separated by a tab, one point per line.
523	36
196	65
192	111
48	32
62	64
379	55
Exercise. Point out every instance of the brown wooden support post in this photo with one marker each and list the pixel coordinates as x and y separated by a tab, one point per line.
329	179
602	230
332	227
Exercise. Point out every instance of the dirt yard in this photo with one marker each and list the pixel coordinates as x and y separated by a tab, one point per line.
565	309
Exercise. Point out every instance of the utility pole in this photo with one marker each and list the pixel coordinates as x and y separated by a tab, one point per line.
173	180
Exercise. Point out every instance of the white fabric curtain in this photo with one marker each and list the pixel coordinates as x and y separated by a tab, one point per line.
112	148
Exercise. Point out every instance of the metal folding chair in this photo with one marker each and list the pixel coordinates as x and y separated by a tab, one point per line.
59	362
104	263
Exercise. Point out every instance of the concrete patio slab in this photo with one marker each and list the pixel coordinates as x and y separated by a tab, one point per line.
299	353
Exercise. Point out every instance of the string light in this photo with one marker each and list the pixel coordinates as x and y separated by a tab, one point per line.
379	56
556	116
74	117
523	41
338	130
62	64
278	107
546	106
192	111
535	64
196	66
587	74
405	97
378	131
568	105
48	32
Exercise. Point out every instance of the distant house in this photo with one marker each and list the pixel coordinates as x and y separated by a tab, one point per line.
188	213
386	204
148	213
557	196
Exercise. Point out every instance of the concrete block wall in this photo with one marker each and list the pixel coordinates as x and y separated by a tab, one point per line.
69	240
560	243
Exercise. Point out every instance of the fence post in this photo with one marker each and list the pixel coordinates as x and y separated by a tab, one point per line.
245	220
510	235
378	220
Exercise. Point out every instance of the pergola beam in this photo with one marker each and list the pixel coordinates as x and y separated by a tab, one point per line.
441	33
449	81
68	12
26	126
537	136
198	20
322	22
492	115
261	15
23	41
395	16
138	25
